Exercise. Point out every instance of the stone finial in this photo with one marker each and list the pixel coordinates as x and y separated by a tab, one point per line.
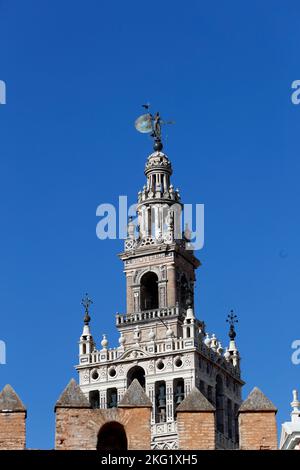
190	313
10	401
151	335
169	332
187	232
295	414
257	401
135	397
122	340
137	334
207	340
295	404
131	228
104	342
227	355
72	397
214	342
195	401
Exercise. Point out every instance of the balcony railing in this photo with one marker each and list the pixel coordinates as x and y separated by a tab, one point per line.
159	347
148	315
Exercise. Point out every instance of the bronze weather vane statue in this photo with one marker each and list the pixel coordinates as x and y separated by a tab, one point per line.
151	124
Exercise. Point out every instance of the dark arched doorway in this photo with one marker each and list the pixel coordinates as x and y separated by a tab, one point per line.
149	291
112	436
138	373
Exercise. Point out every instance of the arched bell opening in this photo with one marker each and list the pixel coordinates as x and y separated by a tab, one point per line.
160	402
136	372
178	387
112	398
94	398
149	291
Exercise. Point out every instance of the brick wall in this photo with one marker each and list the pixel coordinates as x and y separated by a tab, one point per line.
196	430
12	431
258	430
79	428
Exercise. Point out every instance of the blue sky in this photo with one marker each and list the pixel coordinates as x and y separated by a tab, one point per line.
76	75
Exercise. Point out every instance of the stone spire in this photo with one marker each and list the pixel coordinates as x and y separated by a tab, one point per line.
135	397
195	401
86	343
10	401
158	171
86	302
159	206
158	203
72	397
232	353
257	401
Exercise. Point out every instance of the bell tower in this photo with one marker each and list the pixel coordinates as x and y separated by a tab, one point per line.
162	343
159	263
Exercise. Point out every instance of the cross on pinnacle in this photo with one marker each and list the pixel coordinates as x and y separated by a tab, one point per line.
86	302
232	319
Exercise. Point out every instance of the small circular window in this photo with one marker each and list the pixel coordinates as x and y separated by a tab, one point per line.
178	362
112	372
95	375
160	365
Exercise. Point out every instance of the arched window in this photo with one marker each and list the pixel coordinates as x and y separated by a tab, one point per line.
138	373
149	291
220	404
112	436
178	387
160	402
94	398
112	398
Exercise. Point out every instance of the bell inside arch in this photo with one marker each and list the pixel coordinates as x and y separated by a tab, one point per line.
162	397
112	398
179	395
